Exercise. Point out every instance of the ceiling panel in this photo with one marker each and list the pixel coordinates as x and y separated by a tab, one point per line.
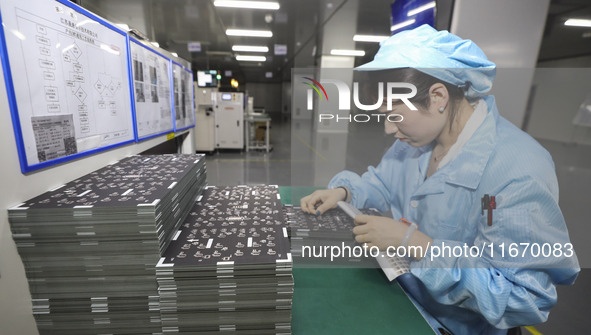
299	25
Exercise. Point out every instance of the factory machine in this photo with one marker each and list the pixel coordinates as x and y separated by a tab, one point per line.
204	118
229	120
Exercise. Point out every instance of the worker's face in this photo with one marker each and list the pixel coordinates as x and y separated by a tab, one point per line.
418	127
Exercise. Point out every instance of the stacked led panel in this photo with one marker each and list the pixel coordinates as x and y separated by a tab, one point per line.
90	246
328	239
310	234
229	267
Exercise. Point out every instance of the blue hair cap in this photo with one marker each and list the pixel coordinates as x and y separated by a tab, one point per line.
439	54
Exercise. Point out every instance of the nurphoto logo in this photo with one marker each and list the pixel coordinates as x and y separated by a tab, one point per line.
344	99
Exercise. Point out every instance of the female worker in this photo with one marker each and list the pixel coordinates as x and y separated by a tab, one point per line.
453	154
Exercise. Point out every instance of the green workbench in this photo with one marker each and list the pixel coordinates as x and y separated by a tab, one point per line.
348	300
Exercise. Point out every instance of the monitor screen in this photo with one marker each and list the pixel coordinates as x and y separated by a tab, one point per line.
207	78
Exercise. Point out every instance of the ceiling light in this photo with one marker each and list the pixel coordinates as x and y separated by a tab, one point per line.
402	24
156	44
249	33
247	4
369	38
249	48
268	18
343	52
578	23
251	58
174	54
421	9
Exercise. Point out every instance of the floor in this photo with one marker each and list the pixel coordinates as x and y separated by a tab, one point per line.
302	156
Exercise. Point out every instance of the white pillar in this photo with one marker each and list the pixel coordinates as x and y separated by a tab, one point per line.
510	33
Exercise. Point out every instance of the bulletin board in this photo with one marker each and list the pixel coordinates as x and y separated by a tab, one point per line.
152	91
184	110
67	78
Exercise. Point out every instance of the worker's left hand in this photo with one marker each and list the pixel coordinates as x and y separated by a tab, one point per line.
379	231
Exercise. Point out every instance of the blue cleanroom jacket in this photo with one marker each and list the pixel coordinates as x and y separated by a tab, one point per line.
487	293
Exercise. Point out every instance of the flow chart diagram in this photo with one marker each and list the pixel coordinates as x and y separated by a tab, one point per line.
72	76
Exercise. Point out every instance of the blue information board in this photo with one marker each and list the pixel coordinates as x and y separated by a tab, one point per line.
151	72
183	97
67	78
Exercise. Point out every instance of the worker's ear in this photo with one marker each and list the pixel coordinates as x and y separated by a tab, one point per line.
439	96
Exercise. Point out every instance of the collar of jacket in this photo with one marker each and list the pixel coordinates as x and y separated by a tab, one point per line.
467	168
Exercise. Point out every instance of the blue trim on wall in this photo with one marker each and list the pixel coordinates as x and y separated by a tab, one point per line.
131	90
16	124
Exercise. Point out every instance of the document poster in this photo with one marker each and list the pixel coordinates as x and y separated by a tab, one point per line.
70	81
189	96
183	97
151	81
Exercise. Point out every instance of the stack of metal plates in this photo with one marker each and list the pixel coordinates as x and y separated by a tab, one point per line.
319	235
90	246
229	267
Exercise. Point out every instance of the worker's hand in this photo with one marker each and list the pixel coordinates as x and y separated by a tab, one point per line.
384	232
378	231
322	200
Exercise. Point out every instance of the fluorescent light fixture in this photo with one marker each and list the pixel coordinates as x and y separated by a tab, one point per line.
247	4
155	44
246	58
578	23
402	24
369	38
249	33
249	48
174	54
343	52
421	9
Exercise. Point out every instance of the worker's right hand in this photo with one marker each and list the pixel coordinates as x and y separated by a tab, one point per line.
322	200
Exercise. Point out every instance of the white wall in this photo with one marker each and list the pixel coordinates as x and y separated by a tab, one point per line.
560	87
558	94
510	34
15	299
